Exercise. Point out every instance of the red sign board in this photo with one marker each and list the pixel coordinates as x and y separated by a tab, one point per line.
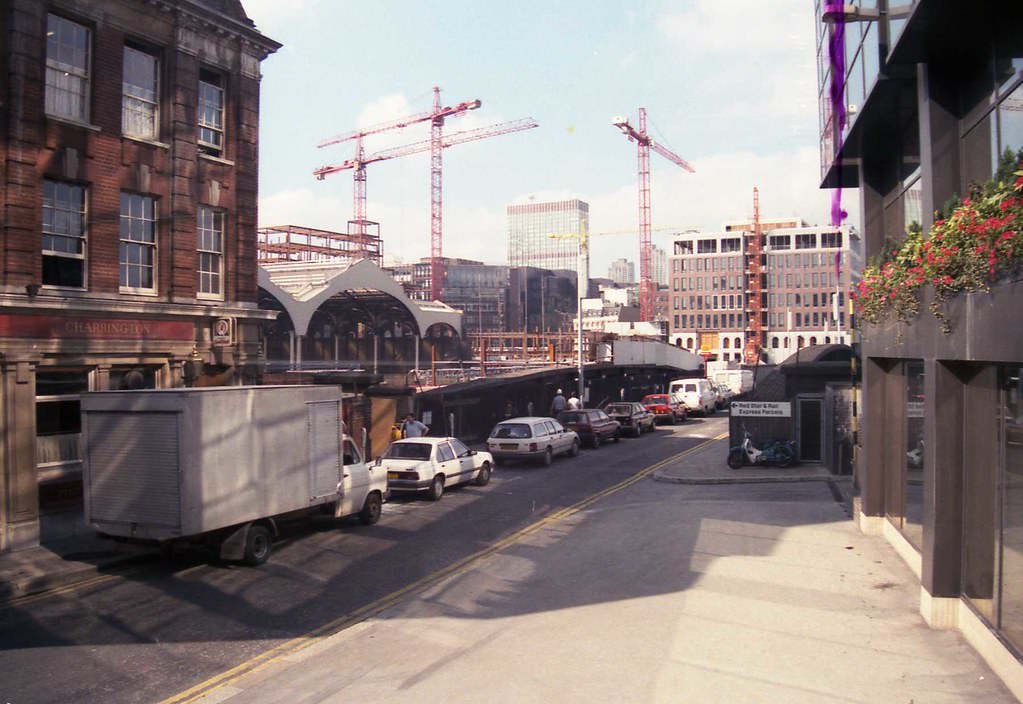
70	327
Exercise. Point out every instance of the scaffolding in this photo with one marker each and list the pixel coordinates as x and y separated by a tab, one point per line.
293	243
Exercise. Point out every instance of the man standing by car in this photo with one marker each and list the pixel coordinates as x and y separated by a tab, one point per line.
573	402
558	404
412	428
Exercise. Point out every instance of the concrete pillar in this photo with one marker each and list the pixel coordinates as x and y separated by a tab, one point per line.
19	494
939	140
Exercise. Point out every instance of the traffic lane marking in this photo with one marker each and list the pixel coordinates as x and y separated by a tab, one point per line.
290	648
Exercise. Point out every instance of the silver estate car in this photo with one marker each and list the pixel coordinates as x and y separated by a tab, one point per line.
531	438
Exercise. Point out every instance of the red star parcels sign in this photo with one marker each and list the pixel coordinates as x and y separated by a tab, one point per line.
68	327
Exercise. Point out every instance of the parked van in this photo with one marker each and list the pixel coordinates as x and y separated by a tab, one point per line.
697	394
740	381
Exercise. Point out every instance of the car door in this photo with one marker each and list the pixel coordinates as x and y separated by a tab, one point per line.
465	458
447	464
556	435
354	479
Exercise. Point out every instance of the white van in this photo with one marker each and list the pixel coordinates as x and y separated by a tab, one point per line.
697	394
740	381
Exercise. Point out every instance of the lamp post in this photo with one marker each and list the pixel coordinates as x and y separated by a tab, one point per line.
582	286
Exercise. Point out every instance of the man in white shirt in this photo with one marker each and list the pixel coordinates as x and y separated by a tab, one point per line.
412	428
573	402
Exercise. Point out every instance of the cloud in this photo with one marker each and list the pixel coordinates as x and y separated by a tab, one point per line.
735	26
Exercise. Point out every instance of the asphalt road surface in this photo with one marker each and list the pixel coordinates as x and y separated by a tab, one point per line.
162	626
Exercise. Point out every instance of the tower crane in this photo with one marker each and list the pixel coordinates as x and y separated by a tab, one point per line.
644	144
436	144
358	161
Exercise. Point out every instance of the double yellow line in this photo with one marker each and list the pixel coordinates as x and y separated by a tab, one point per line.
372	609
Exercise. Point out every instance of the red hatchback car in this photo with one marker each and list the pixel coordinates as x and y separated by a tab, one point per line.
665	407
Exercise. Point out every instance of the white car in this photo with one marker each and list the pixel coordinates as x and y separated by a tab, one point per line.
431	464
531	438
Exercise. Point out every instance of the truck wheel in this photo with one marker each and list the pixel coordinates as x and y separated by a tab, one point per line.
372	509
436	488
257	545
735	458
483	478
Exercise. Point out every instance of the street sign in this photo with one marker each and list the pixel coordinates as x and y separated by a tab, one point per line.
761	409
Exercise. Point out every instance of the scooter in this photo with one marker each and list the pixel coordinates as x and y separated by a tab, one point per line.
779	452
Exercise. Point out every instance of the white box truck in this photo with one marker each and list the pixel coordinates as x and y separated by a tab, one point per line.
220	465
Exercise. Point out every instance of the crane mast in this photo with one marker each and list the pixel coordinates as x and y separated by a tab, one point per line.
645	143
754	288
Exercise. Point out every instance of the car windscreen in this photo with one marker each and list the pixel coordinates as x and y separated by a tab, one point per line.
619	408
573	418
651	400
516	431
408	451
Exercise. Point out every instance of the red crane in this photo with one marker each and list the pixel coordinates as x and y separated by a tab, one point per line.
754	288
358	163
436	144
645	143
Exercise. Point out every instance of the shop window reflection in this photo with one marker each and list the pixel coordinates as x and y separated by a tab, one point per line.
1011	576
912	526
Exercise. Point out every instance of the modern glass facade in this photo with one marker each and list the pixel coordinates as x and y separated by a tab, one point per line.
938	95
530	230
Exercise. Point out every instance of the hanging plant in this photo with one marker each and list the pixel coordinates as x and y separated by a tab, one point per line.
981	241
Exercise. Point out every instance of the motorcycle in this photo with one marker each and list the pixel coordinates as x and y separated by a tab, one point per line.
779	452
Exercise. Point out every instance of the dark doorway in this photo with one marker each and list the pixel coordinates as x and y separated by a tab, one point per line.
810	419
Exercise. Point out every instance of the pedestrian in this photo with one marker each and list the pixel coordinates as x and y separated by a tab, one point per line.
509	410
412	428
558	404
573	402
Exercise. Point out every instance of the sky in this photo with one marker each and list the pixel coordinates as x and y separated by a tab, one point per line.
729	85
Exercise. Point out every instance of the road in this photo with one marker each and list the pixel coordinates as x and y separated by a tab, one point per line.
161	627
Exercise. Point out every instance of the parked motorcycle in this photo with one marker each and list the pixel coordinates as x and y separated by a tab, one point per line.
779	452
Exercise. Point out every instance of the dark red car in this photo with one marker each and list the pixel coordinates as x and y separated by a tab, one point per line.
665	407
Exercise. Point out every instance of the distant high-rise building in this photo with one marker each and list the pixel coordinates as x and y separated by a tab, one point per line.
659	264
530	226
622	272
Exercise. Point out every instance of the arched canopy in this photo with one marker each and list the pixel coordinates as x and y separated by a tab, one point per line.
319	294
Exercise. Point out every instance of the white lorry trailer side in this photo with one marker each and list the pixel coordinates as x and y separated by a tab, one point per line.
220	464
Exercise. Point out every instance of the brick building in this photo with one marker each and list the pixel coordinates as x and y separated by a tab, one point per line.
128	164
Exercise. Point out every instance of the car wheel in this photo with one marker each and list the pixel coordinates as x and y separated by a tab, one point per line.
637	431
547	458
736	458
574	450
483	477
617	437
372	509
436	488
596	441
257	545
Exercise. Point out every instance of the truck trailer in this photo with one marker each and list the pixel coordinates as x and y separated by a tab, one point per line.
220	466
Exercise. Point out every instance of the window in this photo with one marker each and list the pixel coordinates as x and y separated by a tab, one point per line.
779	242
211	251
67	68
140	94
211	113
806	241
63	234
731	244
138	242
